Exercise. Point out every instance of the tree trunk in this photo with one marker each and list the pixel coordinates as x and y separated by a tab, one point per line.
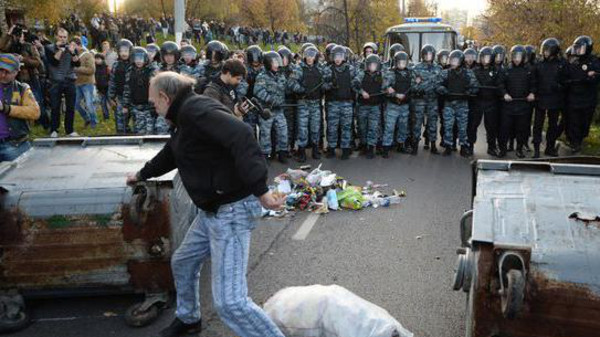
162	4
347	23
3	23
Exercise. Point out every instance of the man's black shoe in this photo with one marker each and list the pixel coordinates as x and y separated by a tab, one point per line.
511	146
426	145
536	151
448	151
178	328
492	152
415	148
520	153
551	151
400	148
465	151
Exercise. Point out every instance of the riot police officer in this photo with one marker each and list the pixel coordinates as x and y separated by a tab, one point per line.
254	60
308	81
550	73
368	84
216	54
116	84
470	58
397	85
395	48
135	94
485	104
287	57
170	55
189	62
582	95
518	87
339	99
427	76
499	57
456	85
269	88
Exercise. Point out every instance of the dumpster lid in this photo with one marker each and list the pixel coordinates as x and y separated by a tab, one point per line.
80	163
553	208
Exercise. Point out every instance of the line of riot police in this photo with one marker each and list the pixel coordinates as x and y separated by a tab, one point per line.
332	101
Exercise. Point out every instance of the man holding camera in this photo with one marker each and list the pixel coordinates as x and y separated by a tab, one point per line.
223	88
62	60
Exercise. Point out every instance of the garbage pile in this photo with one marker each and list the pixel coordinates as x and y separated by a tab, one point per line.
320	191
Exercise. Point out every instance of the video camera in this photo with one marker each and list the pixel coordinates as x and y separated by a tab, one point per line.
256	107
21	29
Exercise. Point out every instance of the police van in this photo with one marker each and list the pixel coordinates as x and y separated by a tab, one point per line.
417	32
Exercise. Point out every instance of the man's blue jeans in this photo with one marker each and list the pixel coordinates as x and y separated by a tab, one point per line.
224	237
85	92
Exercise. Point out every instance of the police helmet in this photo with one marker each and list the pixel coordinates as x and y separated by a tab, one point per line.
254	54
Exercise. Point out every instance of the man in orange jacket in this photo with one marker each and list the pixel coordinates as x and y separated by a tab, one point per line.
18	108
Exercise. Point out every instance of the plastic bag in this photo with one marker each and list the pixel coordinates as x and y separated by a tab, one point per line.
332	200
330	311
350	198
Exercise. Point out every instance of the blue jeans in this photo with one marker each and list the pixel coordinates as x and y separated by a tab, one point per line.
86	92
103	100
224	237
10	151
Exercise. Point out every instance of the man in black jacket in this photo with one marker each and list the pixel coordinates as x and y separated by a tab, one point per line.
223	171
223	88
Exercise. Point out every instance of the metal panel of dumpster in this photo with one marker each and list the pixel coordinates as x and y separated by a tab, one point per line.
530	260
70	225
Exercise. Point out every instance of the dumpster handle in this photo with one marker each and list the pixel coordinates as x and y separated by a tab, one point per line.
463	228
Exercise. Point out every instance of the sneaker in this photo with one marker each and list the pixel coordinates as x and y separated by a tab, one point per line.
73	134
178	328
54	134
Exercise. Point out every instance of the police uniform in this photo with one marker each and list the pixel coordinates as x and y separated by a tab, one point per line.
308	83
397	111
269	88
457	85
582	97
518	82
116	86
369	110
135	98
246	89
340	110
424	100
550	74
486	106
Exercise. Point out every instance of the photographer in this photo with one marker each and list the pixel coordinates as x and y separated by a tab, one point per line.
222	89
19	41
62	60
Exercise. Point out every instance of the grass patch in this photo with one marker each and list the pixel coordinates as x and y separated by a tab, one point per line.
591	145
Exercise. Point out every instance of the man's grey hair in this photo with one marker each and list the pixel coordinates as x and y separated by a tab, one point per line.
172	83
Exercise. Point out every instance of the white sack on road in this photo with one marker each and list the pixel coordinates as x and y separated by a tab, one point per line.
330	311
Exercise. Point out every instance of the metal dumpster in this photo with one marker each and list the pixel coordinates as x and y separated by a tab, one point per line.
69	225
530	255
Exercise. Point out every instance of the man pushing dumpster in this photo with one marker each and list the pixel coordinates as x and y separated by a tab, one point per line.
225	174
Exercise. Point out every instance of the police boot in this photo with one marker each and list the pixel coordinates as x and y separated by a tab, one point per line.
492	151
282	157
447	150
346	154
526	147
551	150
315	152
511	146
301	158
465	151
400	148
386	152
434	149
520	153
330	153
426	145
415	148
370	152
536	151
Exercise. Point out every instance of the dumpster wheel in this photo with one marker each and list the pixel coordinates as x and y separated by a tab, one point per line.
135	316
513	295
13	316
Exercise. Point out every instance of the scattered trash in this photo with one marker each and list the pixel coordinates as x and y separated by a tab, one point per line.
319	191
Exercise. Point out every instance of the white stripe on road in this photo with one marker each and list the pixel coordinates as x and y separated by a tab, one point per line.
306	227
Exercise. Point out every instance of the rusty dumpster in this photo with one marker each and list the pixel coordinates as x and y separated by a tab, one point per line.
69	225
530	255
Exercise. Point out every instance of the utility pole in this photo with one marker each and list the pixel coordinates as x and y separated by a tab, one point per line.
179	19
403	8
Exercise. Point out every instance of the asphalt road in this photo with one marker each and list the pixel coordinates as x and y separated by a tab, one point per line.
401	257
